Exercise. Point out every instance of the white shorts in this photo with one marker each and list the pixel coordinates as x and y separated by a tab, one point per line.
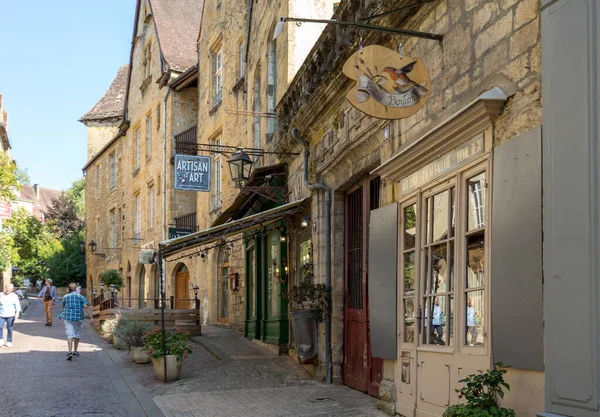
73	329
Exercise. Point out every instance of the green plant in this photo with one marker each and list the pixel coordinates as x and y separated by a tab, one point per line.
308	295
482	392
176	343
131	332
112	276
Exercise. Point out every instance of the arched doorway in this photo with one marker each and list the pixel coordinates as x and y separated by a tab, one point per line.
223	285
142	287
182	285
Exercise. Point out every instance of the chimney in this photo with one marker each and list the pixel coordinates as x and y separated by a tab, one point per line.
36	188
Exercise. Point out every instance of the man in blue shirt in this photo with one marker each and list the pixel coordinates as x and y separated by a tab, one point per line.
73	305
48	294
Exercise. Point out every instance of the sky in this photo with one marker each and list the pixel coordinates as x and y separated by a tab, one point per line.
57	59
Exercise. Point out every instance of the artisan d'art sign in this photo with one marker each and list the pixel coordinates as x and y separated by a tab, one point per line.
387	86
192	172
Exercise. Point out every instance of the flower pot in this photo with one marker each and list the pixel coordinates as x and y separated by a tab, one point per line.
139	355
173	368
305	335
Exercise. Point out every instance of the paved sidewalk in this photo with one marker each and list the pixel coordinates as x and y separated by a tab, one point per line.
229	375
39	382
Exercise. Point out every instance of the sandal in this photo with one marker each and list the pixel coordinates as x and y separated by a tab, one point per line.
69	356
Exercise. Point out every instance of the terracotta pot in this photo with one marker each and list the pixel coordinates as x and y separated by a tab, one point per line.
138	354
173	369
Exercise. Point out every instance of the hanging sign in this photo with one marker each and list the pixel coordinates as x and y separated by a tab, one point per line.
387	86
5	210
192	172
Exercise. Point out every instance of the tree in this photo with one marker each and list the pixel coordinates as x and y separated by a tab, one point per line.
76	194
9	182
64	261
29	239
62	217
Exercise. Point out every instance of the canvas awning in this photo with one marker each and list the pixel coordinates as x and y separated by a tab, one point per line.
212	234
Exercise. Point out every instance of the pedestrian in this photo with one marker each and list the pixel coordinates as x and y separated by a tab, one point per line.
49	296
10	310
73	306
78	289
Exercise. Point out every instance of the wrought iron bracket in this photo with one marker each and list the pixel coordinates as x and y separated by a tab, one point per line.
268	191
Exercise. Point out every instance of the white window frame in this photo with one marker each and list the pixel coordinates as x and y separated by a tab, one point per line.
148	60
148	137
138	148
112	159
137	223
112	228
271	86
151	205
217	81
241	58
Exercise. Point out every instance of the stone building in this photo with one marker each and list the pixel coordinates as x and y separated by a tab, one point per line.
243	74
130	198
408	236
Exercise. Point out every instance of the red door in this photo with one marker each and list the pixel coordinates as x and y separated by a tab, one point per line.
361	371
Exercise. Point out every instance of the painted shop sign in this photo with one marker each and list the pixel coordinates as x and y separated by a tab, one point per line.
387	86
452	160
192	172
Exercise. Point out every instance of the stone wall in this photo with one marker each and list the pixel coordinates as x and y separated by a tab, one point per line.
99	134
486	44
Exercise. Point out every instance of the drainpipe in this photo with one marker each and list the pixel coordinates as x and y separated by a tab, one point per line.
327	205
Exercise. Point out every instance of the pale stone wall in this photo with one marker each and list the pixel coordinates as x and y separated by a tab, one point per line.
145	98
99	134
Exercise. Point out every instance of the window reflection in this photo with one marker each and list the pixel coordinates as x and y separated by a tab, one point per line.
474	318
435	320
409	321
410	226
409	272
476	210
475	260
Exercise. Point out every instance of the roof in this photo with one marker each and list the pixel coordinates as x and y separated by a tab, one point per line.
177	27
212	234
111	105
46	195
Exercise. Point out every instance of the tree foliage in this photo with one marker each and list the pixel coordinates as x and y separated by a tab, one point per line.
64	261
62	218
76	195
29	241
9	182
112	276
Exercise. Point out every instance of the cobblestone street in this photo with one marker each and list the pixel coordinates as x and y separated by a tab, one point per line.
227	375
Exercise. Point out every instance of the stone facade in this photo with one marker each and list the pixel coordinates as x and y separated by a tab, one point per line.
486	44
235	115
130	200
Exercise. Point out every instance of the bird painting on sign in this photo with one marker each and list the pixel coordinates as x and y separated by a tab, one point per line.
388	86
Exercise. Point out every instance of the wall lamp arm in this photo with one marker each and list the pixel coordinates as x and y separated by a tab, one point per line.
426	35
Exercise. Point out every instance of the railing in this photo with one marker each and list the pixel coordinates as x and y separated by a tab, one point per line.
180	313
185	142
187	221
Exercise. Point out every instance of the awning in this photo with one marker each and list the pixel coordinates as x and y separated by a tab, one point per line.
255	221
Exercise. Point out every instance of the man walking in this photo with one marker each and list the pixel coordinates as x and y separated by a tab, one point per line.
73	305
48	293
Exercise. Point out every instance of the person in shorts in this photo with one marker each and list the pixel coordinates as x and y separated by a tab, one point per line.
73	315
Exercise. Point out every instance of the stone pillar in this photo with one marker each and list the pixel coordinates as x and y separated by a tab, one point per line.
570	60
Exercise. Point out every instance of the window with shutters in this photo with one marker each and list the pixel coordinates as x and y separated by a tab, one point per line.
271	88
217	73
148	137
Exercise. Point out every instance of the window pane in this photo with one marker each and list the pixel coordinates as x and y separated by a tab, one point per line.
440	216
409	272
439	278
475	260
474	318
409	321
274	273
476	197
452	211
451	265
435	320
410	226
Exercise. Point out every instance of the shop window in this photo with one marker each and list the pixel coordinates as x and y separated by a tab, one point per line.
431	237
274	274
217	181
271	87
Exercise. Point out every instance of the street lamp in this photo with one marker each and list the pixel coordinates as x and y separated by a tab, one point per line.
93	245
196	288
82	247
305	221
94	292
112	290
240	166
101	289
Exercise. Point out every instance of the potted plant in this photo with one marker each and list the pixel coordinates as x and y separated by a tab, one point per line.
131	334
482	392
308	302
109	328
175	349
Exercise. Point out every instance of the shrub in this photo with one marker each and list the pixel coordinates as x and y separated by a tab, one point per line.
111	276
481	392
131	332
176	343
308	295
110	326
